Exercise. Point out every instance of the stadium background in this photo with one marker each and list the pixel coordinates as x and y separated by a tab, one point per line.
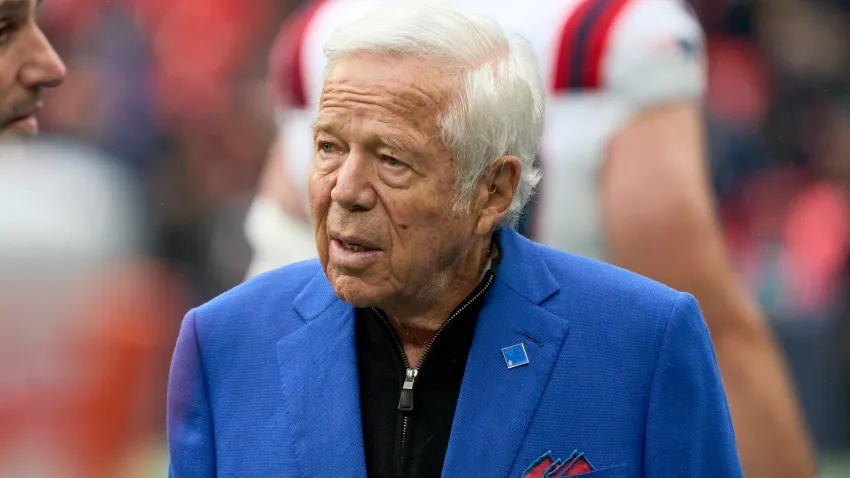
175	93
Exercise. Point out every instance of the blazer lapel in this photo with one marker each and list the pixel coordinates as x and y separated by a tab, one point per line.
496	404
319	378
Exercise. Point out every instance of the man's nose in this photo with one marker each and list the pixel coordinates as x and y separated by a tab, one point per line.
43	68
353	189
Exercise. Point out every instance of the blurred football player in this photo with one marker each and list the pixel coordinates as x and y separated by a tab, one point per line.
28	64
626	178
84	315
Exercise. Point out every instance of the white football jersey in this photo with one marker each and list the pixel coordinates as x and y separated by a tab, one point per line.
602	62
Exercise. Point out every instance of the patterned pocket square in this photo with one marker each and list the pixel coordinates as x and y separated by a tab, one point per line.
547	467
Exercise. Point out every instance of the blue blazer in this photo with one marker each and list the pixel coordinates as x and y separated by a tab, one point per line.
264	379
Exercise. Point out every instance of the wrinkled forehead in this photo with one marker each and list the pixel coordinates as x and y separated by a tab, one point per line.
402	91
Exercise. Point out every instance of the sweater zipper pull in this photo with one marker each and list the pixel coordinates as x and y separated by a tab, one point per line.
405	401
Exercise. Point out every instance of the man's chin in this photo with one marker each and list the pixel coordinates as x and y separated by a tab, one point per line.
354	291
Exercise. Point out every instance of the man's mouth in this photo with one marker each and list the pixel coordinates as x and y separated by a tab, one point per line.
25	122
354	244
353	247
23	119
353	250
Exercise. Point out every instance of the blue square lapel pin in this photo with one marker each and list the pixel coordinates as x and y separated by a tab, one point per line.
515	355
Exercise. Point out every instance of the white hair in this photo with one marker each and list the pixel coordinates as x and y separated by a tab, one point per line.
498	108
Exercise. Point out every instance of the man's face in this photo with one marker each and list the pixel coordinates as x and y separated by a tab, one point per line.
382	183
27	64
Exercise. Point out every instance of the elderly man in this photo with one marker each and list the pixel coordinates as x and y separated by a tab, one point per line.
625	178
27	65
430	339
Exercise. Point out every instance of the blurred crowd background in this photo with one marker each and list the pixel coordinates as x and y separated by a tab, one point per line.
174	96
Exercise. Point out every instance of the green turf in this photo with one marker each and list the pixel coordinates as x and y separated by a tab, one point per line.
835	466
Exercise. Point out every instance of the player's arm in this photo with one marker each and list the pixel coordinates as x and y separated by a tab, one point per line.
278	225
277	185
660	221
288	81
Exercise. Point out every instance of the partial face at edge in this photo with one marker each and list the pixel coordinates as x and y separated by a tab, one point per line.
28	63
382	183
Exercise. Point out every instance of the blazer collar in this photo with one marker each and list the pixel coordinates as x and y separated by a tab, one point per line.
523	269
480	445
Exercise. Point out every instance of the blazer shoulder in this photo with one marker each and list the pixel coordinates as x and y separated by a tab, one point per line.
269	293
620	316
609	288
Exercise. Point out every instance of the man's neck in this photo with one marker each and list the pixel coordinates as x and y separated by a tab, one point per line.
417	326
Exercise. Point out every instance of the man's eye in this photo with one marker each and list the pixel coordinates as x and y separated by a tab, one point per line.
392	162
327	148
6	31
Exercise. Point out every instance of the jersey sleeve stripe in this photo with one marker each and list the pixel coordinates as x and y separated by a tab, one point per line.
287	70
566	51
598	41
583	42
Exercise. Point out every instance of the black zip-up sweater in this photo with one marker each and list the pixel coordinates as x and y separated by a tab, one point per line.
406	429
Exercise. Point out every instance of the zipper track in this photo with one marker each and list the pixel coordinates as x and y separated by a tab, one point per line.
407	367
403	439
457	312
395	337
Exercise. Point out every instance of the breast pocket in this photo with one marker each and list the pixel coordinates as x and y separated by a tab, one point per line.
618	471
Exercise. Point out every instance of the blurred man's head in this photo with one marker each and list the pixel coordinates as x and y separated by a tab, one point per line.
27	64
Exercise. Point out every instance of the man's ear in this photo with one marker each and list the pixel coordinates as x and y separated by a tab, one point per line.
496	192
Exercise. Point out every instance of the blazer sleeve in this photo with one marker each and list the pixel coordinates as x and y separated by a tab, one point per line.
689	429
189	418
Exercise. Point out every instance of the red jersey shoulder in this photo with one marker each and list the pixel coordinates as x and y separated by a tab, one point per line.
583	40
286	66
